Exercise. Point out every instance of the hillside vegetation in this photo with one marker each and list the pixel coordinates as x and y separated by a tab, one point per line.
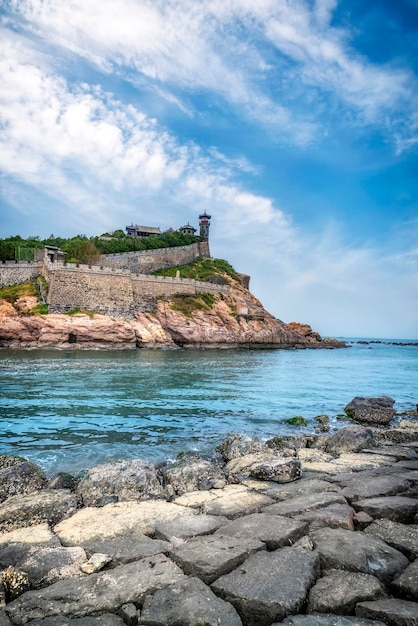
83	249
215	271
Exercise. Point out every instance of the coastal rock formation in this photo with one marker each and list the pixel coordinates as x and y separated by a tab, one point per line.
237	320
251	553
377	411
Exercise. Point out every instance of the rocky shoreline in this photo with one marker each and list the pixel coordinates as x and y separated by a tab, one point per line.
307	530
220	327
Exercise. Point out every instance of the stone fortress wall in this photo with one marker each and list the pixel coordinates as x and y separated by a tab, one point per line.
15	272
148	261
116	293
119	286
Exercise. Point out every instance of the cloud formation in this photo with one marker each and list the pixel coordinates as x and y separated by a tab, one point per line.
93	100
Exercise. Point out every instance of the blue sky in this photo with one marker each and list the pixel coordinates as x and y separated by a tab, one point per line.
294	123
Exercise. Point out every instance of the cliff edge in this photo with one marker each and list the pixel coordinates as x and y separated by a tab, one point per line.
236	320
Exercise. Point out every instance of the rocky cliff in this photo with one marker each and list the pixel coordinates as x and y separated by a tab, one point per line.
237	320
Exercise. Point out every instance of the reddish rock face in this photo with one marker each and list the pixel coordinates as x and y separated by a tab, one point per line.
222	326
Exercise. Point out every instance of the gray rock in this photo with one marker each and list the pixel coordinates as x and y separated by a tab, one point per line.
192	475
328	620
304	486
273	530
232	501
350	439
129	614
188	526
332	516
62	480
270	585
105	619
396	508
126	547
358	552
17	544
403	538
210	557
290	444
98	593
189	603
130	479
283	470
377	411
372	486
236	445
406	585
44	566
18	477
299	504
392	612
48	505
4	620
338	592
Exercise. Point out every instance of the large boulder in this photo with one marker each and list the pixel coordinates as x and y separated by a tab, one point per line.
236	445
376	411
265	466
47	505
101	592
187	602
18	476
358	552
350	439
122	480
339	592
193	474
270	585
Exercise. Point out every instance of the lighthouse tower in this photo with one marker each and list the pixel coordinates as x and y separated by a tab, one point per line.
204	223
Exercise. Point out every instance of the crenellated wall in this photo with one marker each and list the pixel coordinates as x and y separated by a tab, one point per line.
114	292
13	273
148	261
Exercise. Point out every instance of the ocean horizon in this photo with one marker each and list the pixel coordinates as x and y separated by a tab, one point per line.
68	410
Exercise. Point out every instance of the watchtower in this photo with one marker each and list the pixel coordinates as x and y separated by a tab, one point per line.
204	223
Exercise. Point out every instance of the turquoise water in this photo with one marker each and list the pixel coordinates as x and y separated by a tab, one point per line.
69	410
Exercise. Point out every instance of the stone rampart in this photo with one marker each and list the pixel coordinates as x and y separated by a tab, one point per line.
148	261
13	273
115	292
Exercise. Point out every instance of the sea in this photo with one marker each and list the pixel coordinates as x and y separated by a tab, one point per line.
68	410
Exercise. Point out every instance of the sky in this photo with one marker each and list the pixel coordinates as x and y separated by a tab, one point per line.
294	123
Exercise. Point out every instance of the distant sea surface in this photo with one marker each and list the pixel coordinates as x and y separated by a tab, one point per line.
70	410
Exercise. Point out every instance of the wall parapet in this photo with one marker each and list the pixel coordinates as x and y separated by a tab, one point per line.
14	273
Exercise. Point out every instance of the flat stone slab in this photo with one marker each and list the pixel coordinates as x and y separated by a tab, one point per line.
269	585
395	508
188	526
339	592
44	566
392	612
301	504
303	486
189	602
332	516
406	585
232	501
328	620
353	462
210	557
127	547
274	530
92	524
362	487
358	552
102	592
48	505
399	536
17	544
